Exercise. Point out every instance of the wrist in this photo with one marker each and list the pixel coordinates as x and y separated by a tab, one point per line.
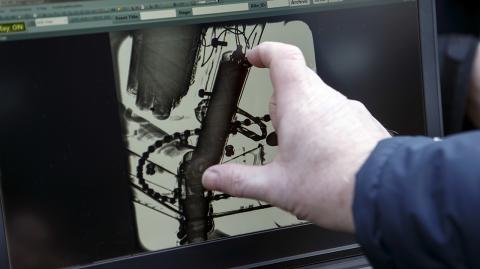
364	150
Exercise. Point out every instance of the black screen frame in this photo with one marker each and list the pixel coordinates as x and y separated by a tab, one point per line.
430	70
287	247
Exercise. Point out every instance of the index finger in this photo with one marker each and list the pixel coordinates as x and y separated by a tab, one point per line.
288	70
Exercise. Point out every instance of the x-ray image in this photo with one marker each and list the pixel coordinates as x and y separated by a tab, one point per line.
190	99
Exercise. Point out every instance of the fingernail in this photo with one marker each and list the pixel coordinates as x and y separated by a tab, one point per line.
210	177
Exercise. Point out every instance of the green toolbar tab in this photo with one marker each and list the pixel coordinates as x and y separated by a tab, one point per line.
13	27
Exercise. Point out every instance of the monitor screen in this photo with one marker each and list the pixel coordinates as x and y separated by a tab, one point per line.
105	131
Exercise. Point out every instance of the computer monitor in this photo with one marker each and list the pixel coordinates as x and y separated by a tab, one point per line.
111	110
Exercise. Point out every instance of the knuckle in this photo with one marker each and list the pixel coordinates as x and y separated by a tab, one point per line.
265	46
293	53
237	184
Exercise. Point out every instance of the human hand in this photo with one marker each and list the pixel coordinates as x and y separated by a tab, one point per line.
324	138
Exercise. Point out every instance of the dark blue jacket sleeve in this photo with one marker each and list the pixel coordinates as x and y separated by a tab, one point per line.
417	203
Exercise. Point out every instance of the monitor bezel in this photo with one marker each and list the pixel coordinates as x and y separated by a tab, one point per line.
266	248
430	69
285	247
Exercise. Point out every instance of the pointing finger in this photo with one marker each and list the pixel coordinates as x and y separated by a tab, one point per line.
286	63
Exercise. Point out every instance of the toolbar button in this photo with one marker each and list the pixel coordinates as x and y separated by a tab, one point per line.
51	21
158	14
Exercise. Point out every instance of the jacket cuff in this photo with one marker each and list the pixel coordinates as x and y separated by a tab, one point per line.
367	206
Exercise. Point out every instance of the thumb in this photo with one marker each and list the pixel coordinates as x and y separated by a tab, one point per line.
239	180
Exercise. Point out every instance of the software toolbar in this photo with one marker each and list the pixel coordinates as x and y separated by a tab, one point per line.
20	19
